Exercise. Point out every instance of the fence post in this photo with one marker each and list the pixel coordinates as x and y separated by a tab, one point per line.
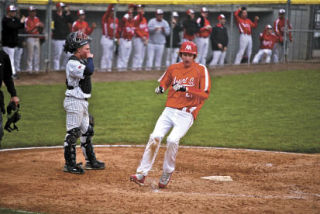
231	34
48	36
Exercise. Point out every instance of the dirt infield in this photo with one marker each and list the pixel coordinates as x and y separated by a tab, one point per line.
265	182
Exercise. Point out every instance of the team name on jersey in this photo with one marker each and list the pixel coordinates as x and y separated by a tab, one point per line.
185	81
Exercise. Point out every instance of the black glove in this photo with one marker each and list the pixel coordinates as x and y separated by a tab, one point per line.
13	116
159	90
178	87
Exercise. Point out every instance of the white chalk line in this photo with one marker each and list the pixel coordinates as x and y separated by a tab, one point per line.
142	146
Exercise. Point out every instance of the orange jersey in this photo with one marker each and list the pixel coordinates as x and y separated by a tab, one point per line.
82	26
141	26
109	24
30	25
197	81
245	25
204	31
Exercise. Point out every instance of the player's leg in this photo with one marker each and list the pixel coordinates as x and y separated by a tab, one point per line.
17	58
138	55
205	47
216	56
222	58
257	57
162	127
120	60
150	57
104	45
30	42
87	131
249	48
175	55
158	56
243	43
182	122
109	53
56	54
168	56
37	55
73	121
10	52
128	46
268	55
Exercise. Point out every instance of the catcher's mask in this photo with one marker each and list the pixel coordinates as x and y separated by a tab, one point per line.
13	116
76	40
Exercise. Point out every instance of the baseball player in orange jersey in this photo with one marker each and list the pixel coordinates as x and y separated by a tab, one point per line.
189	86
82	25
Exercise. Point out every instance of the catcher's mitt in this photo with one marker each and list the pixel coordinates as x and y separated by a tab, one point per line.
13	116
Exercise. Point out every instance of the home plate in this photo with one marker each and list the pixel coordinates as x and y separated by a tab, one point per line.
218	178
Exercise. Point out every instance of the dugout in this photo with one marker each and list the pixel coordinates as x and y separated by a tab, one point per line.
303	18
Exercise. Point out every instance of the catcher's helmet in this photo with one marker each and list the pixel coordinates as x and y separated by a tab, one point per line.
188	47
76	40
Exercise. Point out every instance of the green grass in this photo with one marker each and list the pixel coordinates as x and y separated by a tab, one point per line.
272	111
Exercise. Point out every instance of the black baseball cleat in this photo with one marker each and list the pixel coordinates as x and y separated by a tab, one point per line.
74	169
95	165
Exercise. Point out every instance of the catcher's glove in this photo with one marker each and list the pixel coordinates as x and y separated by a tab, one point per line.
13	116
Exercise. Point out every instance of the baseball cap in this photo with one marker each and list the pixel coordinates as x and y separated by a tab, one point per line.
282	11
11	8
190	11
268	27
204	10
81	12
175	14
159	12
60	4
140	5
221	16
32	8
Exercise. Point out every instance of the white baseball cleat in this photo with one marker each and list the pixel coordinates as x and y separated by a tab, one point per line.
138	179
164	180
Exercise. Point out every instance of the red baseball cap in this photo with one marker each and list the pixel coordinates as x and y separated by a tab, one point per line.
190	11
60	5
221	16
11	8
81	12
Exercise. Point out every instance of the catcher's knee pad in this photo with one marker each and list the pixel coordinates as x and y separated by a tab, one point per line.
90	131
72	136
91	120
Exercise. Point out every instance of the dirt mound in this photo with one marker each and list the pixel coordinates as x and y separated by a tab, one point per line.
269	182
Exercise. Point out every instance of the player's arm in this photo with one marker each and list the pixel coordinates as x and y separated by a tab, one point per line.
164	82
236	15
7	79
167	29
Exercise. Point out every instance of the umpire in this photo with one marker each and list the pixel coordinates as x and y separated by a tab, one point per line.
6	77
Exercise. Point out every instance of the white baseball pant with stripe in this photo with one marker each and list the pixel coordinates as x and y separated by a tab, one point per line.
125	48
155	53
17	58
180	121
33	51
203	45
139	50
245	43
10	52
58	53
107	53
218	58
172	56
262	53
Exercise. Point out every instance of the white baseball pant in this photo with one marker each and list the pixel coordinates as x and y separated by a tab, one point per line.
180	122
107	53
262	53
10	52
172	56
33	52
245	43
155	53
203	45
278	53
125	48
139	49
17	58
218	58
58	53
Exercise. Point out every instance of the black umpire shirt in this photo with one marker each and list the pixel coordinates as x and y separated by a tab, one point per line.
219	35
10	27
6	73
61	28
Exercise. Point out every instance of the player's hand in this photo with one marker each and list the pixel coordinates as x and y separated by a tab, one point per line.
89	55
256	18
23	18
159	90
220	46
94	25
178	87
225	49
15	99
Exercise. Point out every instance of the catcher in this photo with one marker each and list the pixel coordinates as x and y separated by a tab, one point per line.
6	77
78	122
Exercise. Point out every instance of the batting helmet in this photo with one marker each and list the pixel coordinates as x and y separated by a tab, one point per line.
76	40
188	47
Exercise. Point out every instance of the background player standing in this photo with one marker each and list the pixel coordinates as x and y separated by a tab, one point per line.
245	26
189	86
81	25
78	79
279	28
219	42
109	33
141	38
158	30
190	26
202	39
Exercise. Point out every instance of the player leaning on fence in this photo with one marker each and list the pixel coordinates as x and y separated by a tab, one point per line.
78	121
189	86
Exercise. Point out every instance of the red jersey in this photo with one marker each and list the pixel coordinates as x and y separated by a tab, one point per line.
245	25
204	32
30	25
268	40
141	26
279	27
109	24
127	27
197	81
82	26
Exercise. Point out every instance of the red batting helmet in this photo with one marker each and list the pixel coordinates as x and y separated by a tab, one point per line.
188	47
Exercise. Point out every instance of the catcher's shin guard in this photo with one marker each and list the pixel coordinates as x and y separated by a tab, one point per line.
70	152
88	151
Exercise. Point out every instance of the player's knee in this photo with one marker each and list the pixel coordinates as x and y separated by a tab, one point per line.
72	136
90	131
173	140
